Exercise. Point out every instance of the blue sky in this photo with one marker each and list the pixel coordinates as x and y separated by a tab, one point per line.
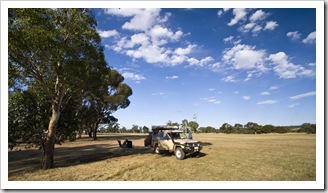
224	65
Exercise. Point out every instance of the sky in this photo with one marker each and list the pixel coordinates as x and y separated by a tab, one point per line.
221	65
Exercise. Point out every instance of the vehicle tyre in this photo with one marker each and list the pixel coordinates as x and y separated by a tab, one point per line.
156	149
179	153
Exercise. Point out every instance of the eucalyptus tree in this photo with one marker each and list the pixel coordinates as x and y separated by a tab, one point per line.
59	50
107	98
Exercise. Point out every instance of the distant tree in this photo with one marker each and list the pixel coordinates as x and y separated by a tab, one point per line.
281	129
226	128
308	128
193	125
268	129
207	129
123	130
113	127
145	129
135	129
170	123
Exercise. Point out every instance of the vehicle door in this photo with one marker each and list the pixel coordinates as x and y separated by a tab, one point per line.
166	142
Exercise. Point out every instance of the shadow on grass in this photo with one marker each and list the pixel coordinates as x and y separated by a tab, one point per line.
207	144
105	147
168	154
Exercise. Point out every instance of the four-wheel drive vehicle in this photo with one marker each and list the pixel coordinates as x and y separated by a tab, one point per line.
168	138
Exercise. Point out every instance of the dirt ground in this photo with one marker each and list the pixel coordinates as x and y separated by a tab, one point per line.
84	150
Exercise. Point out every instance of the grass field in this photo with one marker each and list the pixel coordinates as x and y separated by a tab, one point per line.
266	157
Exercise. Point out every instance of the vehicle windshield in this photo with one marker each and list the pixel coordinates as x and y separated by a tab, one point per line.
178	136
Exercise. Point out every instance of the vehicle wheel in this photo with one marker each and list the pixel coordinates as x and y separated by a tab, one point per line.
179	153
156	149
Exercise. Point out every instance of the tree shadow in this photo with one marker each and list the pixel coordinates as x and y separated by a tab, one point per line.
105	147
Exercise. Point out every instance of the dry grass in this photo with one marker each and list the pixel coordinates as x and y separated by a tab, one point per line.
271	157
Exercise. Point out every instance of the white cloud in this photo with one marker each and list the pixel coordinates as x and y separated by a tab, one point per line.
108	33
172	77
240	14
286	69
311	38
246	98
273	87
161	35
222	11
267	102
228	39
133	76
216	67
184	51
312	64
258	15
244	57
293	105
271	25
265	93
202	62
214	101
294	35
229	79
149	45
232	40
211	89
302	95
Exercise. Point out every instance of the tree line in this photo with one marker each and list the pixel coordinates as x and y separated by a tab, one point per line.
254	128
59	81
249	128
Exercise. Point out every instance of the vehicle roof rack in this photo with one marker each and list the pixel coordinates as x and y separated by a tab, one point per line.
163	127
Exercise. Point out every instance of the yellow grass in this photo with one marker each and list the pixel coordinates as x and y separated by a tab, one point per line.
269	157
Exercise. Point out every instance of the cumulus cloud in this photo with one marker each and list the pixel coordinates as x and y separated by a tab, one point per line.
311	38
151	38
244	57
240	14
302	95
258	15
222	11
271	25
108	33
201	63
257	23
294	35
133	76
142	19
285	69
267	102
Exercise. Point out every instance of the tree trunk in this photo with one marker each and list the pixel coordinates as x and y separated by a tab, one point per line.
95	129
47	160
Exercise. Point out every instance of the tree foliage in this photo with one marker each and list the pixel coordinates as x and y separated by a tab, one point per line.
56	63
